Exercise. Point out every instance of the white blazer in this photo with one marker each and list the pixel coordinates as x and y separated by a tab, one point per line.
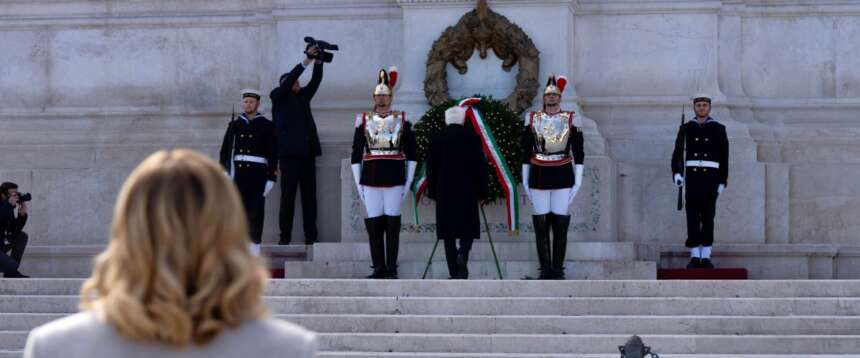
85	335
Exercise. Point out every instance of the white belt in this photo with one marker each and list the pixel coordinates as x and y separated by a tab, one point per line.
703	164
250	158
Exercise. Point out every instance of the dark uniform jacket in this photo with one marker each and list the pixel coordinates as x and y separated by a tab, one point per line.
552	177
383	172
9	223
255	137
294	123
705	142
457	179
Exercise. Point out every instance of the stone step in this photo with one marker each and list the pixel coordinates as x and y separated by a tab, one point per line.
330	354
567	344
589	344
13	340
507	306
507	288
481	270
19	354
26	321
348	323
518	250
75	261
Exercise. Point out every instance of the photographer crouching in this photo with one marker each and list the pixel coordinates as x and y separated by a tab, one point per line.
13	240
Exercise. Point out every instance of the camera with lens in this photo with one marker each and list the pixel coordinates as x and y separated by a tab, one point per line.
22	197
323	46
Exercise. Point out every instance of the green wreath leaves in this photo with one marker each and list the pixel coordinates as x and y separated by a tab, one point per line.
507	128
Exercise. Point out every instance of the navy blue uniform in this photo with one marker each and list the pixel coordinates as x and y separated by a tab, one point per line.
706	162
248	152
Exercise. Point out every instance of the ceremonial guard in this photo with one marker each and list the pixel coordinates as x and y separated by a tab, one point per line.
700	163
383	166
248	154
552	175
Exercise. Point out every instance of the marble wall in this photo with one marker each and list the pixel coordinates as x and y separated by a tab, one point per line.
89	88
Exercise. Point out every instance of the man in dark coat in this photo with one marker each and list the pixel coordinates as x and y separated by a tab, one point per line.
457	180
298	147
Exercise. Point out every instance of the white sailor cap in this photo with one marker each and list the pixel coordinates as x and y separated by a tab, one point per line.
250	92
701	97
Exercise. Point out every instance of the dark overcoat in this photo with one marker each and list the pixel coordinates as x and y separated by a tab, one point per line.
457	180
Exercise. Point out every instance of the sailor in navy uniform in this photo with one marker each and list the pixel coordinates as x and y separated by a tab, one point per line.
552	175
383	166
703	170
248	156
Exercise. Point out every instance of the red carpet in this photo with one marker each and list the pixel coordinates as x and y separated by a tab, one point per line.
277	272
702	274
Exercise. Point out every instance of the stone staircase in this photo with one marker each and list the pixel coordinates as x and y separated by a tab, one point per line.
517	259
517	318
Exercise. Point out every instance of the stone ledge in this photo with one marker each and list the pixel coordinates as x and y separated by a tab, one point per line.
777	261
761	250
75	261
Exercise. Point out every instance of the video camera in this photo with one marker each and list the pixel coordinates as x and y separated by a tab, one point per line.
22	197
323	46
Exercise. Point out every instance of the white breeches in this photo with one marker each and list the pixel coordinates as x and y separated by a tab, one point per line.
544	201
382	201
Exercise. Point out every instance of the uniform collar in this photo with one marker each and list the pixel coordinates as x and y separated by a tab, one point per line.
706	120
245	118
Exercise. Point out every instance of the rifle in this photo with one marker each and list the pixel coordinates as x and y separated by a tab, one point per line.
232	143
684	158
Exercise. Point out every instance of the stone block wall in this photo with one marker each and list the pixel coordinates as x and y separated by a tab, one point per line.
89	88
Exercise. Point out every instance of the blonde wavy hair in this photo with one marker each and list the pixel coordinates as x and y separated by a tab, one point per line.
177	269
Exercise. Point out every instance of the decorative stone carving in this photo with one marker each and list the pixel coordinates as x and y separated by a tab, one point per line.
483	29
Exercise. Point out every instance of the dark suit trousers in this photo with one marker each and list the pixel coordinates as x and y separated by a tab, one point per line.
298	172
251	182
15	249
701	204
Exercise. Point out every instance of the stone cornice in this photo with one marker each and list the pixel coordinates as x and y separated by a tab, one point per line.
20	14
747	8
627	7
335	9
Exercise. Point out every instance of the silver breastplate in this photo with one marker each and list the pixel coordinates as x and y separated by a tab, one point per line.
551	132
383	134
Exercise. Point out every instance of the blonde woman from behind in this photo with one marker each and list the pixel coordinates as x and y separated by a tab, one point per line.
177	279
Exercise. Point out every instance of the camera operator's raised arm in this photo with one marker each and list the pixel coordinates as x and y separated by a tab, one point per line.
286	82
311	89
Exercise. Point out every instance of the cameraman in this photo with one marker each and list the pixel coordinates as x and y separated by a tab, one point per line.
13	240
298	145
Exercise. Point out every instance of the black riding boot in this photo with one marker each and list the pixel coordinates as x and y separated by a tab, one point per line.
541	225
392	244
560	223
375	233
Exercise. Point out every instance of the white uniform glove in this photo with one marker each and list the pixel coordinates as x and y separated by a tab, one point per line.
577	175
679	180
356	176
526	168
720	188
410	176
269	185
